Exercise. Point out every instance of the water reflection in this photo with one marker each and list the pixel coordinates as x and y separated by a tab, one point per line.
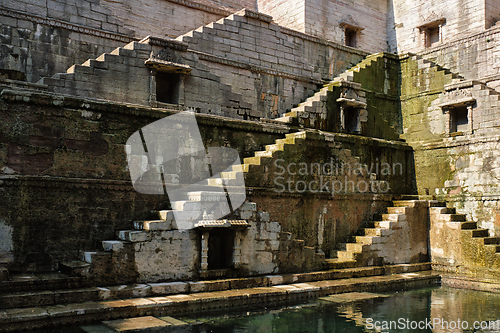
439	309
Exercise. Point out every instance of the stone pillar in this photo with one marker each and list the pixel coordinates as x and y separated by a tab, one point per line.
342	118
440	32
470	119
237	250
204	250
152	87
447	120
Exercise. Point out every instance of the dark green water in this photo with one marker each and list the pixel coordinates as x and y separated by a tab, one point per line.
448	309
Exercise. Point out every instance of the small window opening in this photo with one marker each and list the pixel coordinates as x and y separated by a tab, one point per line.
167	87
459	120
350	37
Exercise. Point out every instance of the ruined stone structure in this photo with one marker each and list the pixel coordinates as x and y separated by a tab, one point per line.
361	125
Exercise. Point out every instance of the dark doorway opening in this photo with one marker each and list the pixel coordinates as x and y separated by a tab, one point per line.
167	87
220	249
351	120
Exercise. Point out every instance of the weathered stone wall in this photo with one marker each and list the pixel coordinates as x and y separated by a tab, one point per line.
65	175
322	221
460	247
79	191
38	46
171	18
474	57
287	13
274	68
41	39
460	167
369	15
462	17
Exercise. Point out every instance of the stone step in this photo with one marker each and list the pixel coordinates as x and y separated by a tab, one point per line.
281	289
159	225
95	64
95	256
367	240
107	57
124	52
394	217
452	217
133	236
345	256
113	245
468	225
80	69
285	119
339	264
396	210
356	247
478	232
41	281
383	224
491	240
443	210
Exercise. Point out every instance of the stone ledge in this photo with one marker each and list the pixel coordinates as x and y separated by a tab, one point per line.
79	313
79	103
255	15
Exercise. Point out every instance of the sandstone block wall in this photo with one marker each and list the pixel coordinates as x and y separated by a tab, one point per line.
162	18
37	45
287	13
369	15
273	68
64	181
323	19
474	57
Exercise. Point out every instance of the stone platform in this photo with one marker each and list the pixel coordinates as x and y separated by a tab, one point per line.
121	302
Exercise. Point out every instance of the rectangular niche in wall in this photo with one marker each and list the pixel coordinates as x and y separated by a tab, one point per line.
352	31
351	37
433	31
459	119
168	87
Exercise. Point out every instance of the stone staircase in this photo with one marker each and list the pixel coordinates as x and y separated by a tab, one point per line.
421	75
384	241
260	170
466	247
312	113
141	254
111	76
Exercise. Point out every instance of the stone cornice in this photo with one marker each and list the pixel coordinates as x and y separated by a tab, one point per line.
451	142
203	7
63	182
318	40
465	40
67	25
94	105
